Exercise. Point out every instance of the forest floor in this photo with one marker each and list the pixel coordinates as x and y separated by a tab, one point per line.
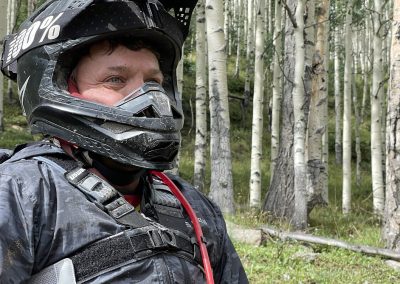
277	261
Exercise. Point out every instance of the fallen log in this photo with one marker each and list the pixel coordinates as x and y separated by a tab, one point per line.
244	235
385	253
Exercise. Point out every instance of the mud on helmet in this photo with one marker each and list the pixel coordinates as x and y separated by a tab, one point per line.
42	54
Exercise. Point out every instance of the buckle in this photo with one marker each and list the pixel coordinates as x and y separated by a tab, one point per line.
119	208
161	239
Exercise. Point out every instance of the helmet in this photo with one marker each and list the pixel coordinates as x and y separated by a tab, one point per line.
43	53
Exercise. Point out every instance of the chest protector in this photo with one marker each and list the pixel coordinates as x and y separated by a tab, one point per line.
160	228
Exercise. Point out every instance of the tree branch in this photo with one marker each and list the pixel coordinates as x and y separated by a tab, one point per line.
290	14
385	253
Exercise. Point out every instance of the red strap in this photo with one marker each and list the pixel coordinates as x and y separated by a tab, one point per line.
196	225
133	199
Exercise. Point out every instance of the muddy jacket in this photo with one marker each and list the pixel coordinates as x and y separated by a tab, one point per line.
44	219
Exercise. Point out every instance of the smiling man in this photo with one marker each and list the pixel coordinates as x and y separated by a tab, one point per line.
90	203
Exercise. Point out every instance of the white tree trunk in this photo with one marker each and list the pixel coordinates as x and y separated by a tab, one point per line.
300	216
367	50
200	154
258	103
276	86
221	189
317	120
338	99
309	49
239	36
325	116
346	200
249	52
357	130
226	22
364	66
268	16
391	227
376	116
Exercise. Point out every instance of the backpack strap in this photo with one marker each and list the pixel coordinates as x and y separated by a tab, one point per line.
104	196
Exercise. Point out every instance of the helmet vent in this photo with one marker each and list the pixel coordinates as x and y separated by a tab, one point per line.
148	112
162	151
176	114
183	15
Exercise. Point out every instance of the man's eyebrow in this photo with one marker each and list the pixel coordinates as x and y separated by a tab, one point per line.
121	68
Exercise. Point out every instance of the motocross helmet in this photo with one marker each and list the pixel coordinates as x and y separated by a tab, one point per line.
144	130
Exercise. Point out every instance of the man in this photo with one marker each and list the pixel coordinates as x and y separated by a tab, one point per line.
90	203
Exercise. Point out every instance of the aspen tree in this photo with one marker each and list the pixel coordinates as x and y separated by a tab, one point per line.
221	189
391	226
367	23
317	120
325	136
346	200
376	115
364	65
238	37
249	52
357	130
227	5
309	49
269	17
201	99
300	194
279	200
338	95
276	86
258	103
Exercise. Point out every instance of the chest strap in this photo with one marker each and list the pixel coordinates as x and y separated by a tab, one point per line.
131	246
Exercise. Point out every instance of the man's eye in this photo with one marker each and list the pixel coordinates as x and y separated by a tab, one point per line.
115	80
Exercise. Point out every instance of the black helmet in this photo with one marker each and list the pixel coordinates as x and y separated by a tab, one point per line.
144	132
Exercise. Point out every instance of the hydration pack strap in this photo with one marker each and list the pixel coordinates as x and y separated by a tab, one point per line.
104	196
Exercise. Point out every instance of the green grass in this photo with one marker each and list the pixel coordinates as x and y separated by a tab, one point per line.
276	262
15	127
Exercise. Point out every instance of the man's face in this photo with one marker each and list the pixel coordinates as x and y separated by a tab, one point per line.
107	78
